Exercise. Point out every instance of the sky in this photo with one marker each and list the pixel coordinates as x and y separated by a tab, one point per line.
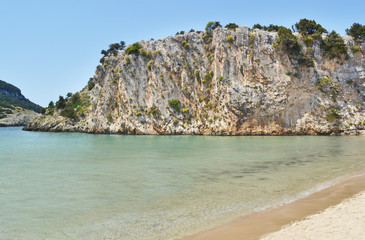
49	48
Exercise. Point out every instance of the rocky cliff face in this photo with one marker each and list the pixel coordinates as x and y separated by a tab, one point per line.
16	116
220	85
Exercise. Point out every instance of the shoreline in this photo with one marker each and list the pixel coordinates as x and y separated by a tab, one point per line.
262	223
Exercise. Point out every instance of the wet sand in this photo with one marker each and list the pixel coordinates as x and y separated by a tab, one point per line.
260	224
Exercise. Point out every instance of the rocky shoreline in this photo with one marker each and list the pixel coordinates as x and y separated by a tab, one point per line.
19	117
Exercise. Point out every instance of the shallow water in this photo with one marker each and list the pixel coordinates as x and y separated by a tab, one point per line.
83	186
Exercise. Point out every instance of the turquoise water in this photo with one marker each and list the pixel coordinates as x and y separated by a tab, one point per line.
83	186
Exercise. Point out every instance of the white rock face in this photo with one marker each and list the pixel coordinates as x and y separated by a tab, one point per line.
244	86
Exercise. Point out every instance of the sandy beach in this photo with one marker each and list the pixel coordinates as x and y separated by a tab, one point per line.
343	221
337	212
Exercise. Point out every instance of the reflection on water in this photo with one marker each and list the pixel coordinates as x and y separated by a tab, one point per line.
83	186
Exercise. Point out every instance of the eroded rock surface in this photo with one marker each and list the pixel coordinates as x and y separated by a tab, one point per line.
244	86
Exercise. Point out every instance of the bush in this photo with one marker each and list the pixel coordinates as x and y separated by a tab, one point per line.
175	104
145	54
149	64
333	114
43	110
185	110
306	60
127	59
334	46
288	42
231	26
212	25
355	49
308	40
69	112
90	85
154	111
230	39
356	31
308	27
134	49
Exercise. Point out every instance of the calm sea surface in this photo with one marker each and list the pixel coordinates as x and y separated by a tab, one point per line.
83	186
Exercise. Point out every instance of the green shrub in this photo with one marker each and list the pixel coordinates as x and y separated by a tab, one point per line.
288	42
333	114
309	51
69	112
127	59
109	117
149	64
357	31
308	40
355	49
306	60
154	111
324	82
185	110
220	78
175	104
134	49
90	85
230	39
43	111
145	53
333	46
231	26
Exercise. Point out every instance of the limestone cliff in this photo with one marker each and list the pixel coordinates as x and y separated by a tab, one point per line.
233	82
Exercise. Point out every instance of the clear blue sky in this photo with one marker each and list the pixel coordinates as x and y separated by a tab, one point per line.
49	48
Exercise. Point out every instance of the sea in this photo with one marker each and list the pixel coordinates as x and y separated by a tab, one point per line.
98	186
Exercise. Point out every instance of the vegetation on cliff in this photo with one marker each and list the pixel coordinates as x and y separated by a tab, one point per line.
236	80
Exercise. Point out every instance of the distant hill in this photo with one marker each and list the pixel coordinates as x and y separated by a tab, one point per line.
11	95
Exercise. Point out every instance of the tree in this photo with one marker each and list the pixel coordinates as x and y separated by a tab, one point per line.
257	25
356	31
134	49
212	25
288	42
270	28
309	27
231	26
51	104
61	103
334	46
113	48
